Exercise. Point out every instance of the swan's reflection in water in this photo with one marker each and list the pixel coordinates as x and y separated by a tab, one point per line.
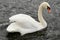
13	36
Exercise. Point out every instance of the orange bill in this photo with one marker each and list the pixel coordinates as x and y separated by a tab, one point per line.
49	10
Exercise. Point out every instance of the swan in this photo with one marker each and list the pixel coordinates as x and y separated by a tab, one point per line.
26	24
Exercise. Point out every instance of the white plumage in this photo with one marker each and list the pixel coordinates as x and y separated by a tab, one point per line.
26	24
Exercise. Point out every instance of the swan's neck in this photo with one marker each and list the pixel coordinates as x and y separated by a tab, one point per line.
40	17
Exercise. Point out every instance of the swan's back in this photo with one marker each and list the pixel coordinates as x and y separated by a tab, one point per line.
21	18
25	21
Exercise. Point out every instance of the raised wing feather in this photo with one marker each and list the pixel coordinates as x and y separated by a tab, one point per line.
24	21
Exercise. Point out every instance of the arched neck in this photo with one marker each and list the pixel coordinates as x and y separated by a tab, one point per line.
40	17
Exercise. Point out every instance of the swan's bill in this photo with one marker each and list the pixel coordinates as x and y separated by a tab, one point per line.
49	9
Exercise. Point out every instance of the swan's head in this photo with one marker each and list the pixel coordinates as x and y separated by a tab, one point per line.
45	5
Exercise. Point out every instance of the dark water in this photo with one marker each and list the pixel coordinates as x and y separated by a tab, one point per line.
30	7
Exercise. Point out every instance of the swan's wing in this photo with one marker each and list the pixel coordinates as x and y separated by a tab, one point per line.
13	27
25	21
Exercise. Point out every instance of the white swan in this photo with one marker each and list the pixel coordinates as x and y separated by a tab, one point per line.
26	24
